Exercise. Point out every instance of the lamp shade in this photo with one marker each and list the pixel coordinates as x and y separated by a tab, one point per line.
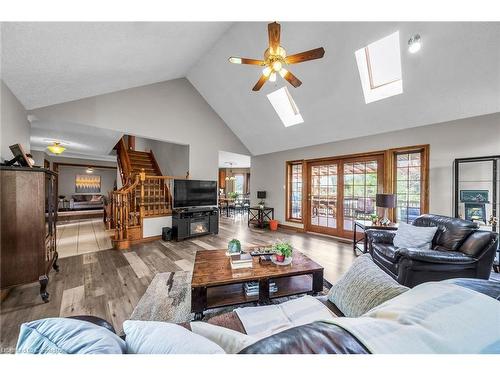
386	200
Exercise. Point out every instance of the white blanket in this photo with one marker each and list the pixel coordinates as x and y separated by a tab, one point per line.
430	318
264	321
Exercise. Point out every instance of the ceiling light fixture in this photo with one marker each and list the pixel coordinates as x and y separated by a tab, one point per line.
56	148
90	170
414	44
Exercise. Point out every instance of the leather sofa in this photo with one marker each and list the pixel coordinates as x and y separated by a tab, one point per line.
320	337
458	249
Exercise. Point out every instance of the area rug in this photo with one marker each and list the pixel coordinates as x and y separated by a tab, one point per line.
168	299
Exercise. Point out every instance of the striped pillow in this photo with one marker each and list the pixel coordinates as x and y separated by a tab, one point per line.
363	287
411	236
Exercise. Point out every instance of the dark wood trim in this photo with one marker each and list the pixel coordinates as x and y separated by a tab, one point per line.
57	164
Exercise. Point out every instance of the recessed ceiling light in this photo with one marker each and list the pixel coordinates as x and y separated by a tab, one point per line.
414	44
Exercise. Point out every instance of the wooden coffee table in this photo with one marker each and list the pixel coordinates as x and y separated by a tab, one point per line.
215	284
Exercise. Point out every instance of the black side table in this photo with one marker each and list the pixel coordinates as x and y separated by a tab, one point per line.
259	216
363	225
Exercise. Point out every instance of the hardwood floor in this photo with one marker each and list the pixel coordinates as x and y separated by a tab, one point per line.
109	283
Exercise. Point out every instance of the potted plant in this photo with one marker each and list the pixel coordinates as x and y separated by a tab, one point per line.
283	250
234	247
262	204
232	195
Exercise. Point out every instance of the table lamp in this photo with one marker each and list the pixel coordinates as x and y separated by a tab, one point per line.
385	201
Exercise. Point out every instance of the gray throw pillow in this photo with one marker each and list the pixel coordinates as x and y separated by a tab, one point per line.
363	287
411	236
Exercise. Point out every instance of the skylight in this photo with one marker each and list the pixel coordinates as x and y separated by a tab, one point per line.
285	107
379	66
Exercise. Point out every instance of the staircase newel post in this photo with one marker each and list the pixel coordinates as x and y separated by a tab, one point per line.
142	177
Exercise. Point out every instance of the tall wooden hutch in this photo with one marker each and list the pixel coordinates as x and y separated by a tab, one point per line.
28	224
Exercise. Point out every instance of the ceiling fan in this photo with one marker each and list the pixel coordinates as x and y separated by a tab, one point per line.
275	58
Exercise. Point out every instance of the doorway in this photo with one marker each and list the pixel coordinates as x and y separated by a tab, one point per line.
340	191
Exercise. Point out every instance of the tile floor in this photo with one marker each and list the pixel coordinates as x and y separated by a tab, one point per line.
84	236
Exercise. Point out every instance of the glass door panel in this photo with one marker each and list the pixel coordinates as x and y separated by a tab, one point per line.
323	196
361	182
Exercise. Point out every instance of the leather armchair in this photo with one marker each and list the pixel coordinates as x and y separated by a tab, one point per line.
458	249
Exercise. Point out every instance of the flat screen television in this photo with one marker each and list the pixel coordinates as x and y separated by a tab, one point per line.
193	193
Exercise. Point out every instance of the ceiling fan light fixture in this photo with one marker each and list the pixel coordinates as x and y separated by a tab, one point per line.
235	60
277	65
272	77
56	148
267	71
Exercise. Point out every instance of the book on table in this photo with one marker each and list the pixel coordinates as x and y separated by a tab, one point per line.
242	260
252	288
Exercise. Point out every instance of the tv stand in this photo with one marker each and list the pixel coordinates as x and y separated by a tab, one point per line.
194	222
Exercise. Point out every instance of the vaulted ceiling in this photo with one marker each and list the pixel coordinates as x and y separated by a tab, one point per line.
455	75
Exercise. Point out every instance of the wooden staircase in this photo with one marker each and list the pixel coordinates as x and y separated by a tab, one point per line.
145	193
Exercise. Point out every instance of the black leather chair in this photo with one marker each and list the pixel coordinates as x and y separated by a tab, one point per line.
459	249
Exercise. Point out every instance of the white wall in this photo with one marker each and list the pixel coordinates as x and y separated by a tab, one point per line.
476	136
67	174
171	111
173	159
14	125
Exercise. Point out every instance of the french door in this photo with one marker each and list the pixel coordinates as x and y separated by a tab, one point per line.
341	191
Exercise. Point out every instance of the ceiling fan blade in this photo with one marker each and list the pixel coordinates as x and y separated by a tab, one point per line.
274	31
294	81
260	82
243	60
313	54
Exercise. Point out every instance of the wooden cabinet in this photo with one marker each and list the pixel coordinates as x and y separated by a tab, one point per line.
28	214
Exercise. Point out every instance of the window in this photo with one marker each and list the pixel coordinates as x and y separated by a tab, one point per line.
410	182
239	183
285	107
379	66
294	196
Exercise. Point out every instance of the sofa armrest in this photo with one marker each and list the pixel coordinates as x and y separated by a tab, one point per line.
436	256
380	236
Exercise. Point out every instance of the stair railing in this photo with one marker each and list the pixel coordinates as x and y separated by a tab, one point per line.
126	210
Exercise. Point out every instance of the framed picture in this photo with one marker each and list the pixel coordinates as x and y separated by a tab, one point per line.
475	212
87	184
474	196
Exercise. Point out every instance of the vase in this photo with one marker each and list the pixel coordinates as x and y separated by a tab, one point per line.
234	248
280	258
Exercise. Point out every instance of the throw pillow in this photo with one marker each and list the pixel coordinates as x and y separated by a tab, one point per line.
146	337
69	336
231	341
411	236
363	287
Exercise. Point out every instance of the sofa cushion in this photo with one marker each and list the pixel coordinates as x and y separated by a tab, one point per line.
451	232
64	335
231	341
147	337
415	237
363	287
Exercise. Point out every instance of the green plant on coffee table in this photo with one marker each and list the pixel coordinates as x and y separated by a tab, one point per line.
234	246
283	248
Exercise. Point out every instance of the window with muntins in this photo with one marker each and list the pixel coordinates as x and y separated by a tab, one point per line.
408	185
